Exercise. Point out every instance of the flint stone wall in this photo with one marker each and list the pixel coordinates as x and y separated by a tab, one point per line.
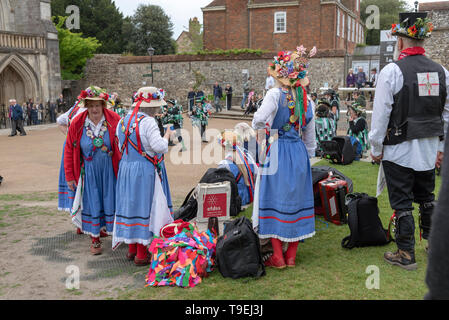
176	73
437	47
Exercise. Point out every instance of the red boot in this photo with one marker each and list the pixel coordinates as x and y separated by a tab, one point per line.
78	231
290	254
132	251
103	234
143	257
277	259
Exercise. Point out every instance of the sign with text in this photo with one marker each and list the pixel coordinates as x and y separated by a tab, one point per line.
387	44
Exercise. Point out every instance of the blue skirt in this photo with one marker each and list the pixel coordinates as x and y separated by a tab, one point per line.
286	203
65	195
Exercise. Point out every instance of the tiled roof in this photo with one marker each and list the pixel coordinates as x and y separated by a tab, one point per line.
216	3
429	6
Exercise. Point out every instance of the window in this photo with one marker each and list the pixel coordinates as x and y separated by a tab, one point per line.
358	33
343	25
357	4
280	22
349	28
353	30
338	22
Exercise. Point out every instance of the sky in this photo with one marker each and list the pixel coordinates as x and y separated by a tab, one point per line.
180	11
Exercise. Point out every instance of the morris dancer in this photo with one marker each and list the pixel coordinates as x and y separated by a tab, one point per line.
200	117
284	204
91	159
143	194
65	195
241	164
410	117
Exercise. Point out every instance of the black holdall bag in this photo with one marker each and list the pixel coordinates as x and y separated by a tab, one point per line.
339	150
189	208
364	223
238	251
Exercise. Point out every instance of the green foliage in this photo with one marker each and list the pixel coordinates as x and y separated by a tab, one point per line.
98	18
389	14
199	79
74	50
149	26
220	52
196	34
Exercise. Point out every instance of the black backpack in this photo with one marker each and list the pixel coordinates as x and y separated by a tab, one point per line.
339	150
238	251
189	208
364	223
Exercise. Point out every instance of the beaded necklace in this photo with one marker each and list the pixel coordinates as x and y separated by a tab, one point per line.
294	119
98	141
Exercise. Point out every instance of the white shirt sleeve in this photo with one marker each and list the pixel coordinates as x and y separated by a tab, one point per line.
308	135
267	111
151	137
63	119
389	83
445	112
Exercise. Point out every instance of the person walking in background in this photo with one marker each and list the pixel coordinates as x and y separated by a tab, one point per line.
372	81
350	83
25	113
246	90
16	119
228	91
218	94
191	98
34	114
411	113
52	111
29	108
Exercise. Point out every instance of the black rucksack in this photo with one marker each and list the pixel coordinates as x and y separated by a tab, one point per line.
238	251
339	150
189	208
364	223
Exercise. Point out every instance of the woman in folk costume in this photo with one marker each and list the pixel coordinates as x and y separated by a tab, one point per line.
91	159
283	203
65	195
143	194
241	164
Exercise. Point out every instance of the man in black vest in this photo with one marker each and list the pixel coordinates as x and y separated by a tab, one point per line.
410	118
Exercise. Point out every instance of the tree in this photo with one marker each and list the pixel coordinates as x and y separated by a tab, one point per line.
74	50
196	34
150	26
389	14
98	18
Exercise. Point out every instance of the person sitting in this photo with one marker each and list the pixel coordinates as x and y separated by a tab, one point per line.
324	125
241	164
252	104
358	129
334	101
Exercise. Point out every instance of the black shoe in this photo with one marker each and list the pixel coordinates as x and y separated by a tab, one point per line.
401	258
171	144
12	135
23	134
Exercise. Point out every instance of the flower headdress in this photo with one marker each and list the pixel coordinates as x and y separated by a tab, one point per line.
93	93
414	25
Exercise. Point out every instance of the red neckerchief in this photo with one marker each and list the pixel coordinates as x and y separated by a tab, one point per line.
413	51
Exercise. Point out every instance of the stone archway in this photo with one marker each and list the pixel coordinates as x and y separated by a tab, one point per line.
17	80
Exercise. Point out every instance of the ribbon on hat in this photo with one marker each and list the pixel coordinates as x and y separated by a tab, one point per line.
301	104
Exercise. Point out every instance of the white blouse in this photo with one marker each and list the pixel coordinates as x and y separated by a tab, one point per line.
63	119
150	136
267	112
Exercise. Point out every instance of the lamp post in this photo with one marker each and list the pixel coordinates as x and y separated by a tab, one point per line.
151	53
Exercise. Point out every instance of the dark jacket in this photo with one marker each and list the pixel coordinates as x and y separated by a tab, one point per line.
191	95
350	80
17	112
218	92
228	90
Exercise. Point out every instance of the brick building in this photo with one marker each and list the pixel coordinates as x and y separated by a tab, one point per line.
282	24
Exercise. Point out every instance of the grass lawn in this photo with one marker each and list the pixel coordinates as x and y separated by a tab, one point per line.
324	269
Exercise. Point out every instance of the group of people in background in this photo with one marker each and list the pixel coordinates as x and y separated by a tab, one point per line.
361	80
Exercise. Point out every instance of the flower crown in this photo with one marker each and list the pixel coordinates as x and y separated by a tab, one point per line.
420	30
93	92
158	95
292	65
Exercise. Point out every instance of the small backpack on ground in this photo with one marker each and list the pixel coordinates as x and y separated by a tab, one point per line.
189	208
364	223
339	150
238	251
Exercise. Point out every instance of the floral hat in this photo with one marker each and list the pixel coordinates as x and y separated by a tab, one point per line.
358	109
149	97
93	93
289	68
414	25
229	139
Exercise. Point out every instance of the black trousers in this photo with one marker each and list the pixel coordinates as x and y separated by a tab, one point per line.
406	186
229	101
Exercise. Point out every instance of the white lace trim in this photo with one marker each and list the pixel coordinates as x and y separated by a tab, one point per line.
267	236
64	209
